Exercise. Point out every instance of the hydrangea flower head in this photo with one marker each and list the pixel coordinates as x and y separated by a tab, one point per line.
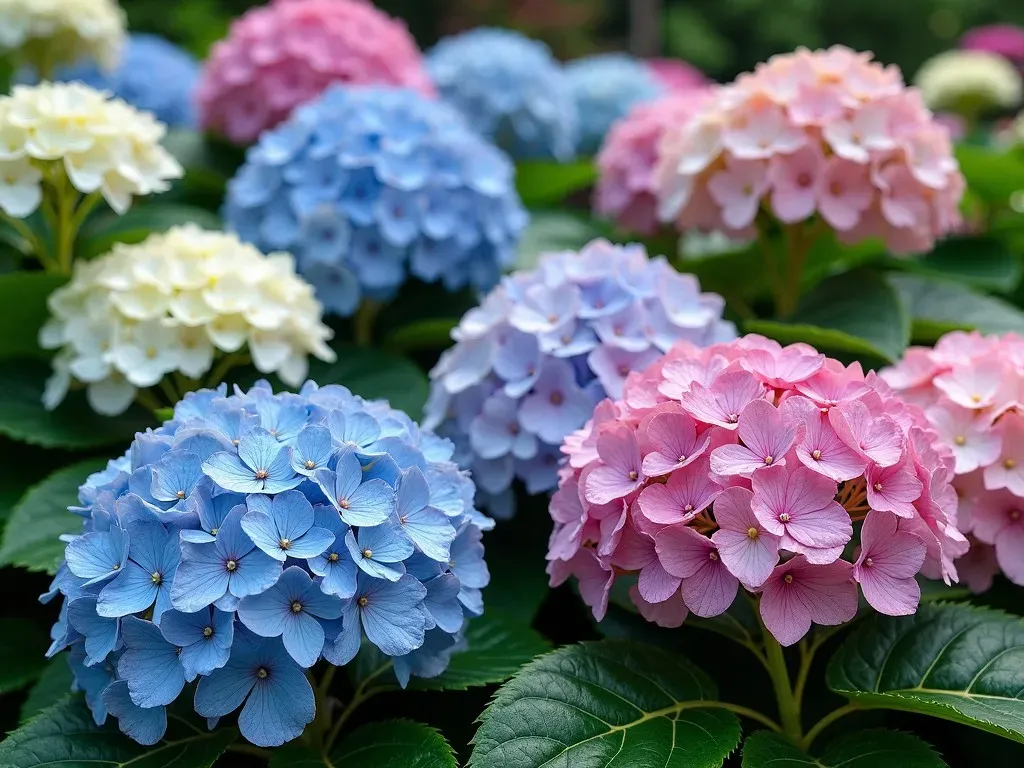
102	144
969	387
677	75
627	185
546	345
511	89
828	134
605	88
153	74
232	548
746	465
369	185
1006	40
172	304
48	33
284	54
969	81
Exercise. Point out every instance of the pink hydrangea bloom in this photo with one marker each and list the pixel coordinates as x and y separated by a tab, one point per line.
283	54
829	134
972	388
749	465
677	75
1007	40
626	188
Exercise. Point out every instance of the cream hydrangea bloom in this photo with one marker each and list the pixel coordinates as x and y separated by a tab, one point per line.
968	81
101	144
50	33
172	304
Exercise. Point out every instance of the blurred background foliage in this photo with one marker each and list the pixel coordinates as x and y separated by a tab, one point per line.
722	37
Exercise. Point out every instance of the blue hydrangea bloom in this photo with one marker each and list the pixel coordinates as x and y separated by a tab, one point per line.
367	186
543	348
605	87
154	74
252	535
511	89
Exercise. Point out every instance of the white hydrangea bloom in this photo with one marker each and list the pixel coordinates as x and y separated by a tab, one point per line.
60	32
100	143
173	303
967	81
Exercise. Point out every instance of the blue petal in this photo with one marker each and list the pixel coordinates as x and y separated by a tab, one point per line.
386	542
303	638
431	532
229	472
292	514
201	578
149	664
102	635
346	645
145	725
280	706
367	564
411	492
255	572
442	602
313	449
97	556
131	592
223	691
93	681
267	613
392	616
311	543
262	530
370	504
356	429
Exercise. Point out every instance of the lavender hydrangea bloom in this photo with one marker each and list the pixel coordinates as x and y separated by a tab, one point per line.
252	535
545	346
511	89
367	186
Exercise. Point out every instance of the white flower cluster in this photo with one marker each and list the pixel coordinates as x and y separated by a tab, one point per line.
169	304
60	32
969	80
100	143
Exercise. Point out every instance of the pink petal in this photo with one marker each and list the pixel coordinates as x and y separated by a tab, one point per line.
814	555
824	594
723	402
687	493
635	550
682	551
670	613
606	484
673	443
823	451
892	489
823	528
594	577
656	584
1010	552
711	590
746	548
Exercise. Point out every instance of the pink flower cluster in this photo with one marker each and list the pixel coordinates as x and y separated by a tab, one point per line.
749	465
1007	40
676	75
626	188
972	390
286	53
830	133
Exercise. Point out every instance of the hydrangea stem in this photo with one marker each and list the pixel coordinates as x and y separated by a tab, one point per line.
789	705
365	316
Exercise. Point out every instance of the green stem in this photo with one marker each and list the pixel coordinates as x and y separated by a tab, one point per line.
65	235
364	318
789	706
82	212
362	693
825	722
807	652
146	399
169	391
225	364
321	724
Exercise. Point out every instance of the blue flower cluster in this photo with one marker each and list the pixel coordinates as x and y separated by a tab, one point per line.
545	346
365	185
154	74
252	534
511	89
605	88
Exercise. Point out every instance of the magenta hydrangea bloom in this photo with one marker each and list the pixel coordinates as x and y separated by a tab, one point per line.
969	386
677	75
286	53
1007	40
747	465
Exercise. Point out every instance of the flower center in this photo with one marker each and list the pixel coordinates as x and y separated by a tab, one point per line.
816	454
877	487
285	543
157	577
1010	463
261	474
804	179
688	508
788	578
868	562
732	418
681	458
343	503
557	398
1015	514
552	318
768	460
180	494
296	607
784	517
213	531
115	567
362	602
633	475
310	464
976	398
960	440
231	565
207	631
367	553
333	557
262	673
713	556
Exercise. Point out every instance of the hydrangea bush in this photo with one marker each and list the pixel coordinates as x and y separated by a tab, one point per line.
252	534
367	186
46	34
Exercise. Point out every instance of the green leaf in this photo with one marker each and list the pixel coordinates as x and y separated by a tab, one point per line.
994	175
554	231
865	749
52	686
595	703
101	233
856	312
496	647
23	307
937	307
64	736
981	262
73	424
431	333
952	661
548	183
31	538
389	744
22	645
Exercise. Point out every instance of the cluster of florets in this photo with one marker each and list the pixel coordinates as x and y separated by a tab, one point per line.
253	534
171	304
677	75
55	133
509	88
969	82
826	133
368	185
627	186
286	53
546	345
605	88
969	386
1007	40
153	74
747	465
62	32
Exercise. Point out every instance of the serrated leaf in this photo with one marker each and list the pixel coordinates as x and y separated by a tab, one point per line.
865	749
52	686
938	307
542	182
102	232
592	703
22	645
953	661
31	538
64	736
23	307
390	744
496	647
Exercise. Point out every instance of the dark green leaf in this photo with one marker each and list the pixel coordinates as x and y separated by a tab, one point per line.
23	307
994	175
766	749
101	233
31	538
23	466
390	744
865	749
548	183
516	559
554	231
982	262
64	736
432	333
952	661
52	686
496	647
593	703
937	307
22	645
